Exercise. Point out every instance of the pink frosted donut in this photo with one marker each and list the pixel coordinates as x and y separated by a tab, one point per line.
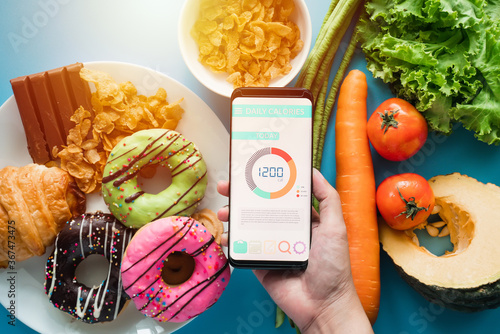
145	257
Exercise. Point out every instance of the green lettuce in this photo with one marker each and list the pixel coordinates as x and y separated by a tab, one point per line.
441	55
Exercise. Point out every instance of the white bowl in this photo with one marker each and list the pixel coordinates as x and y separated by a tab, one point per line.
216	82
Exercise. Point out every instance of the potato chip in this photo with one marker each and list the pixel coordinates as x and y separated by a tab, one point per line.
118	111
259	13
217	62
55	151
169	124
228	23
235	79
216	38
75	136
172	111
287	8
214	13
230	7
249	4
103	123
107	90
85	127
278	28
233	56
89	144
233	40
79	115
151	118
87	185
91	156
206	26
206	47
254	69
268	14
74	149
297	48
236	36
129	90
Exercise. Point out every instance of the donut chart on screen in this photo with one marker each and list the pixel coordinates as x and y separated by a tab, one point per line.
250	177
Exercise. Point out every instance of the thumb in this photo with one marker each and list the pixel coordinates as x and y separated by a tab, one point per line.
330	208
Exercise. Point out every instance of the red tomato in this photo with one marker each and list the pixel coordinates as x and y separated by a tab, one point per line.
397	130
405	200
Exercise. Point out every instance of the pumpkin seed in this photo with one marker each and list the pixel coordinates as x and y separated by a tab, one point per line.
444	232
439	224
433	231
436	209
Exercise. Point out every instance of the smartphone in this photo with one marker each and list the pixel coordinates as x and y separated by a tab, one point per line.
270	199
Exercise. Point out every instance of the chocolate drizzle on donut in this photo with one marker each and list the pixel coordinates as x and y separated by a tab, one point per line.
163	255
88	234
189	156
204	284
140	156
133	197
180	234
148	148
128	176
180	198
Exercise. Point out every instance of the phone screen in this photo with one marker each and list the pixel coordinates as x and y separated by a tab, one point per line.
270	178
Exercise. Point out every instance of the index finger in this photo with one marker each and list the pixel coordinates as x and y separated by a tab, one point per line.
223	187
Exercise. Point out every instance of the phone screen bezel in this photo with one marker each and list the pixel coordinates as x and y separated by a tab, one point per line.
268	92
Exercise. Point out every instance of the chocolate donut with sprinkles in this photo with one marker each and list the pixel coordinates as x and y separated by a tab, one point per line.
144	149
90	233
149	256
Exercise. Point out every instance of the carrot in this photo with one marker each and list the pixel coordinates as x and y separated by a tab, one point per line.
355	183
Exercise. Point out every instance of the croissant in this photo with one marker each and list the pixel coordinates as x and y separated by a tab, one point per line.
35	203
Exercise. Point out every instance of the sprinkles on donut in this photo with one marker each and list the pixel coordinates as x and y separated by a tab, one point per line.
143	149
149	252
90	233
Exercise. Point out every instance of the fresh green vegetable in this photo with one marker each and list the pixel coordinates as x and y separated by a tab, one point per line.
443	56
316	71
280	317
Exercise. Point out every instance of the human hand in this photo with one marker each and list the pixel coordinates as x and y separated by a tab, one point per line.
322	298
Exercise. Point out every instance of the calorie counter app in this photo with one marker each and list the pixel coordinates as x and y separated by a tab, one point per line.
270	179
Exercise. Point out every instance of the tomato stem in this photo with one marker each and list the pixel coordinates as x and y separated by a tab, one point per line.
411	208
388	120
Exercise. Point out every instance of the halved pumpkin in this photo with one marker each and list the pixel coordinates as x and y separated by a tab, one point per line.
467	278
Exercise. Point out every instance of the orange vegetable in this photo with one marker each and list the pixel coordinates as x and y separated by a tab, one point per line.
356	186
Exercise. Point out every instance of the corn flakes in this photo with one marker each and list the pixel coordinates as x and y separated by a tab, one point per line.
117	112
252	40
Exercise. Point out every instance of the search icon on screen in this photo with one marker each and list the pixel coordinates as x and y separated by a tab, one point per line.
284	247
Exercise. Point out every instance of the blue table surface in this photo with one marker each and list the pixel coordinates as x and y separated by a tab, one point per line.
37	35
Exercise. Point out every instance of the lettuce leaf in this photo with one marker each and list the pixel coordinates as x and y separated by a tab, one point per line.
441	55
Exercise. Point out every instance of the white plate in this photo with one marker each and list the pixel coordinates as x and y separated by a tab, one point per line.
199	124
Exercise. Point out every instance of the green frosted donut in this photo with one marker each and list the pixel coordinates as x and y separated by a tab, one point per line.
124	197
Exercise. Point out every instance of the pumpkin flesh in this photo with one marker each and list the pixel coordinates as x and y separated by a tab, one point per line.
465	278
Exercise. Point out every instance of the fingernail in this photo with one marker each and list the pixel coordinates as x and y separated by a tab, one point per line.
317	173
